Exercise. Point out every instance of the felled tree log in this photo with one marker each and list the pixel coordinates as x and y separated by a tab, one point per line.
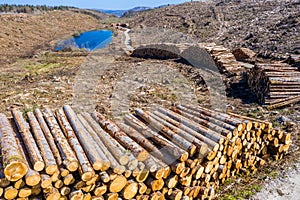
177	139
14	165
171	123
51	141
48	157
156	138
95	130
68	156
93	151
140	153
86	170
114	147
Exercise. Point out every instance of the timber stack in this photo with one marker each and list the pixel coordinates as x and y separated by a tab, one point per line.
182	153
275	84
223	57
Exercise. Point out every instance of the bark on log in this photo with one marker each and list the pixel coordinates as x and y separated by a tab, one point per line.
86	170
197	127
115	148
48	157
202	146
30	144
93	151
13	162
170	122
111	148
50	140
177	152
175	138
139	152
68	156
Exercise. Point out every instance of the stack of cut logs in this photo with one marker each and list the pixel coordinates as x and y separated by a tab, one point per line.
182	153
275	84
223	57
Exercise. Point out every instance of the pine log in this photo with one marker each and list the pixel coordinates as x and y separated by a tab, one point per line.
285	102
51	141
29	142
117	184
93	151
197	127
177	139
115	148
170	122
201	146
217	115
100	190
139	152
108	145
45	181
155	184
10	193
142	188
141	140
64	191
176	195
86	170
177	152
111	196
13	162
69	180
130	190
48	157
68	156
24	192
32	177
76	195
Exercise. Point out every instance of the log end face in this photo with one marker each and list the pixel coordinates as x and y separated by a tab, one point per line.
124	160
87	176
39	166
73	166
33	180
184	157
130	191
51	169
143	156
118	184
15	171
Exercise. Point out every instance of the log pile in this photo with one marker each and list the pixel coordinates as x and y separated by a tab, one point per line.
223	58
275	84
182	153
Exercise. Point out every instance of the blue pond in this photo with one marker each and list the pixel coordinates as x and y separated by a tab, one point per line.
90	40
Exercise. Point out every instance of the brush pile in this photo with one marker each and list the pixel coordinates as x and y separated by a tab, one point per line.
182	153
275	84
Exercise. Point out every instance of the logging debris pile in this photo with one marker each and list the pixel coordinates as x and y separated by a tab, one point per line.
182	153
275	84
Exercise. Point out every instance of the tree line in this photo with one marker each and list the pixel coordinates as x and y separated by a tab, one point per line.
13	8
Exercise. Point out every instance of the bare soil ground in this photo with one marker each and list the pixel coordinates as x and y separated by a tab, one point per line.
267	27
23	34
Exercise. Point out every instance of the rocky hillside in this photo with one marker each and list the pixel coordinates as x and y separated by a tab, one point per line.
267	27
22	35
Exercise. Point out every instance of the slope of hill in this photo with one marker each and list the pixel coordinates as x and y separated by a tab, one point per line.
22	34
267	27
120	13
